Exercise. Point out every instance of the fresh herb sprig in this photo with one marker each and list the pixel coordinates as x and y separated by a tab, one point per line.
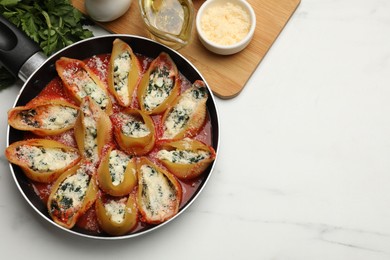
53	24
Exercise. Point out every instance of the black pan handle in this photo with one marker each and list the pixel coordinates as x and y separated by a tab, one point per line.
15	47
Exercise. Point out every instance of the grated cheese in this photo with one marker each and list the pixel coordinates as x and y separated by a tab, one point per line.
116	210
100	66
225	24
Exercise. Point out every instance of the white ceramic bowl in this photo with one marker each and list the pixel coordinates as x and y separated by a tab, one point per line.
226	49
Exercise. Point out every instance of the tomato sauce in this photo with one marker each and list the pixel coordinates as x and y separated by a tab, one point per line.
99	65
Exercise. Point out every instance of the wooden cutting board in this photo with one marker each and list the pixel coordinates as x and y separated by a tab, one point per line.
226	75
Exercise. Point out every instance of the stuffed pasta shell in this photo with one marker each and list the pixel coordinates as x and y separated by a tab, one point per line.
42	160
159	193
47	117
92	130
116	174
187	158
134	131
72	194
160	85
123	73
117	216
80	81
188	113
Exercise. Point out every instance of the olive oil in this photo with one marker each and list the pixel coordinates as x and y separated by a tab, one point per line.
169	21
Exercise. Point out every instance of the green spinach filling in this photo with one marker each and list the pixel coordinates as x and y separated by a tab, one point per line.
159	88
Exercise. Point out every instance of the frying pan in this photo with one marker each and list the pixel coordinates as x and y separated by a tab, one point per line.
22	57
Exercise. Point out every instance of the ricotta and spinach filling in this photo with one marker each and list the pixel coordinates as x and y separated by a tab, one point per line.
117	164
71	192
84	86
133	126
90	135
158	192
49	117
183	156
159	88
181	113
43	159
122	66
115	210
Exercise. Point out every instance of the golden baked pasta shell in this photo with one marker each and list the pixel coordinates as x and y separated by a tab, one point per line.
153	97
159	193
93	130
72	194
124	72
112	165
187	158
80	81
133	143
187	114
42	160
107	220
44	117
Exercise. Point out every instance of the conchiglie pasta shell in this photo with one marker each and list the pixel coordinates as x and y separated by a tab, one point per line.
105	180
133	76
38	113
69	218
196	118
187	171
103	127
68	70
162	59
41	176
136	145
159	210
114	228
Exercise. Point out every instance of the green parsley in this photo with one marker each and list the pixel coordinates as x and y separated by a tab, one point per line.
53	24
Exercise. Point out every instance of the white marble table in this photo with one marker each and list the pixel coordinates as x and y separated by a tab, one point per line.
308	179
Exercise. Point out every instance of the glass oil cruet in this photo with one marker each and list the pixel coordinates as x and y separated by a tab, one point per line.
169	21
